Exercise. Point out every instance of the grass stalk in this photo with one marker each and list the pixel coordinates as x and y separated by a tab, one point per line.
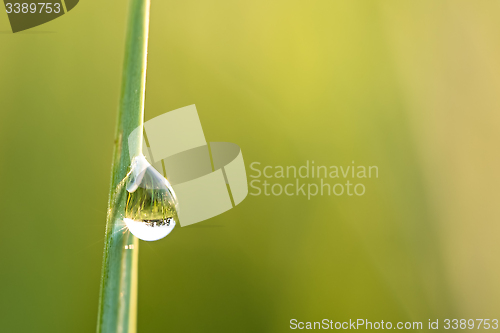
118	295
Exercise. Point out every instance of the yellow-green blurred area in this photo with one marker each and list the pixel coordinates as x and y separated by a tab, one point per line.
409	86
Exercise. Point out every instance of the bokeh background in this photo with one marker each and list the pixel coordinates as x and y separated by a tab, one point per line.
409	86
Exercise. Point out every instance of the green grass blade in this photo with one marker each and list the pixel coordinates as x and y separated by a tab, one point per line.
118	296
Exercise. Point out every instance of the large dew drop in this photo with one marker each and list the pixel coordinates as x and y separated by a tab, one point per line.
151	208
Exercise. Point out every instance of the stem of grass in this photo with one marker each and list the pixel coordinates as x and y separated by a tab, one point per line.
118	296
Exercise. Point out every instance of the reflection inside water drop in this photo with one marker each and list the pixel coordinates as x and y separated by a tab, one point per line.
151	207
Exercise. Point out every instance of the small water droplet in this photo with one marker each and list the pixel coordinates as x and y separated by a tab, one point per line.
151	207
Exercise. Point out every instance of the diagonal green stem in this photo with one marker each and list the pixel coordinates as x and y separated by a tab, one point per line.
118	296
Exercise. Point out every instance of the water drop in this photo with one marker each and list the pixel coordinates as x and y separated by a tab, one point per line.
151	206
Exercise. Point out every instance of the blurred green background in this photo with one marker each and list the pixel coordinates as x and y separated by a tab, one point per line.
409	86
